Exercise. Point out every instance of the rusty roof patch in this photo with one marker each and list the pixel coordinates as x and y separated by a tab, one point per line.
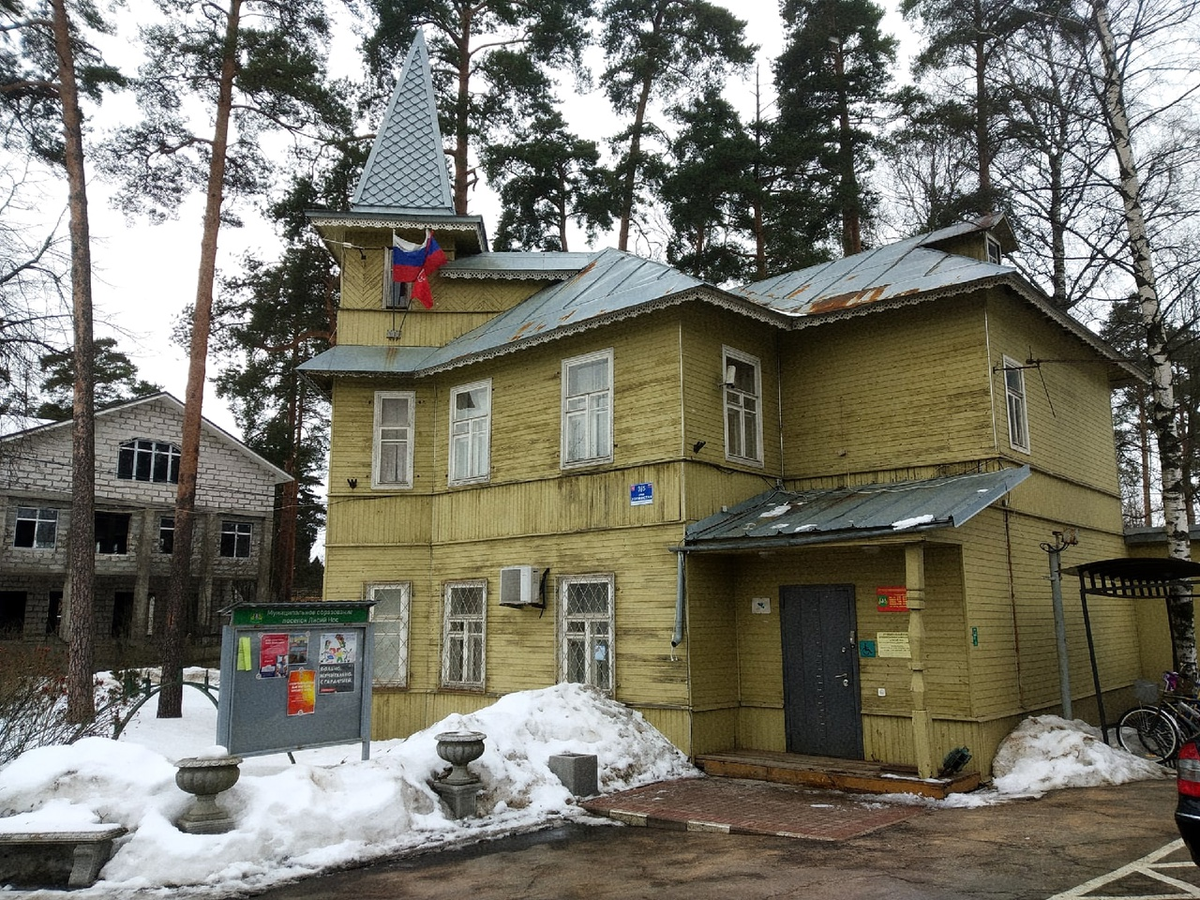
848	299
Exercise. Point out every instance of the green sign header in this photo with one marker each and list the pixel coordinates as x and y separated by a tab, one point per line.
301	614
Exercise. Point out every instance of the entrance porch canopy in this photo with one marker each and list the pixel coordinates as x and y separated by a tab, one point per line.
779	518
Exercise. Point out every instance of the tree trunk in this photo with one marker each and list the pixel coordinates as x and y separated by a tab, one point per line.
462	110
285	543
982	110
629	181
1163	414
170	699
847	181
81	700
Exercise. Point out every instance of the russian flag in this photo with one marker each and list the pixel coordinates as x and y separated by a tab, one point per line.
414	263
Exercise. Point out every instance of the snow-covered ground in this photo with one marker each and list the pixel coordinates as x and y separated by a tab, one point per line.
331	808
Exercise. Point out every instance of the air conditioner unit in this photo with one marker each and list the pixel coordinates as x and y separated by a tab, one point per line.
520	586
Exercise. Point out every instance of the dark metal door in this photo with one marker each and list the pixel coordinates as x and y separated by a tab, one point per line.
821	703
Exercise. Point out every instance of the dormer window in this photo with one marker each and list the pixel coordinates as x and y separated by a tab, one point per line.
144	460
994	252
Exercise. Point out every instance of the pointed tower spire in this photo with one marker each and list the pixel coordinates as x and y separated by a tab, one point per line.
406	172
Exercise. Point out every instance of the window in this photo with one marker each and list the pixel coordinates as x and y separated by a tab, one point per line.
743	420
143	460
994	251
112	533
36	528
396	294
586	610
1018	421
463	635
166	534
122	617
392	451
235	539
587	409
470	427
390	615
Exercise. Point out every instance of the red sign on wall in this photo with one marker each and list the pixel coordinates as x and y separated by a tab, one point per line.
891	599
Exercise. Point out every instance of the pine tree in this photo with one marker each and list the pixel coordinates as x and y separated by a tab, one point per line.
962	43
548	177
709	191
658	52
273	317
114	376
258	66
475	47
45	84
831	77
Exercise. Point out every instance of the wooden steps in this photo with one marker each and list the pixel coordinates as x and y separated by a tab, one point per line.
855	775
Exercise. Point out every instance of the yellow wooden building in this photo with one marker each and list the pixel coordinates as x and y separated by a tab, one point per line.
806	515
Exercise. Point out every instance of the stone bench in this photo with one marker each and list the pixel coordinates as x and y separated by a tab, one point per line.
37	858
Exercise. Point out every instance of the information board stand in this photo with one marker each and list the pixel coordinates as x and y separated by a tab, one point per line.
295	676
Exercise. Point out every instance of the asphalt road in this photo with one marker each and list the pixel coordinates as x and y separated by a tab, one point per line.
1021	850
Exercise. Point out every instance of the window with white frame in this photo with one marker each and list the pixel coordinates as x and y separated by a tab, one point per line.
235	539
743	409
995	253
587	409
392	448
390	615
37	528
585	604
1018	416
470	432
463	634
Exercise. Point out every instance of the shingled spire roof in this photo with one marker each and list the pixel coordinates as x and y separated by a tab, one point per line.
405	185
406	171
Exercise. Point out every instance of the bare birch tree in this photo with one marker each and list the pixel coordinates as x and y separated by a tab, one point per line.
1163	413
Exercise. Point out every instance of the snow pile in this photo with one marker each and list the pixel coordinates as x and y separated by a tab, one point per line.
331	808
1046	753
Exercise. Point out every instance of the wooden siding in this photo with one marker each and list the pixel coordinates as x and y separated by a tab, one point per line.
704	333
1012	655
855	391
711	641
1067	395
760	648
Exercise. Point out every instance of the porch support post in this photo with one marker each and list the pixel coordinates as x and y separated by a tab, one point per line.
914	579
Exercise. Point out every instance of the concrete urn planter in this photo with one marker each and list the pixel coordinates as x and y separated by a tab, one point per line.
205	777
460	748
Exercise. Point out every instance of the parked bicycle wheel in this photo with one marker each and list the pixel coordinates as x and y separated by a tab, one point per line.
1149	732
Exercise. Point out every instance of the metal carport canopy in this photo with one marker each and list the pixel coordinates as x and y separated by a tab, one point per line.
1137	578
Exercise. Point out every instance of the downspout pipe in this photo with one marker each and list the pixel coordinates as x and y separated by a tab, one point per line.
680	594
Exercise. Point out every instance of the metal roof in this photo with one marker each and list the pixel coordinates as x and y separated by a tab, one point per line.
406	171
513	264
779	518
612	284
905	268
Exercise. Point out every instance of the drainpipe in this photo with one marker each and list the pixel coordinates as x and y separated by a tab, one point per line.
680	593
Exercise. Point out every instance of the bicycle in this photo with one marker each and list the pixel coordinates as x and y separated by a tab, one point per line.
1157	732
